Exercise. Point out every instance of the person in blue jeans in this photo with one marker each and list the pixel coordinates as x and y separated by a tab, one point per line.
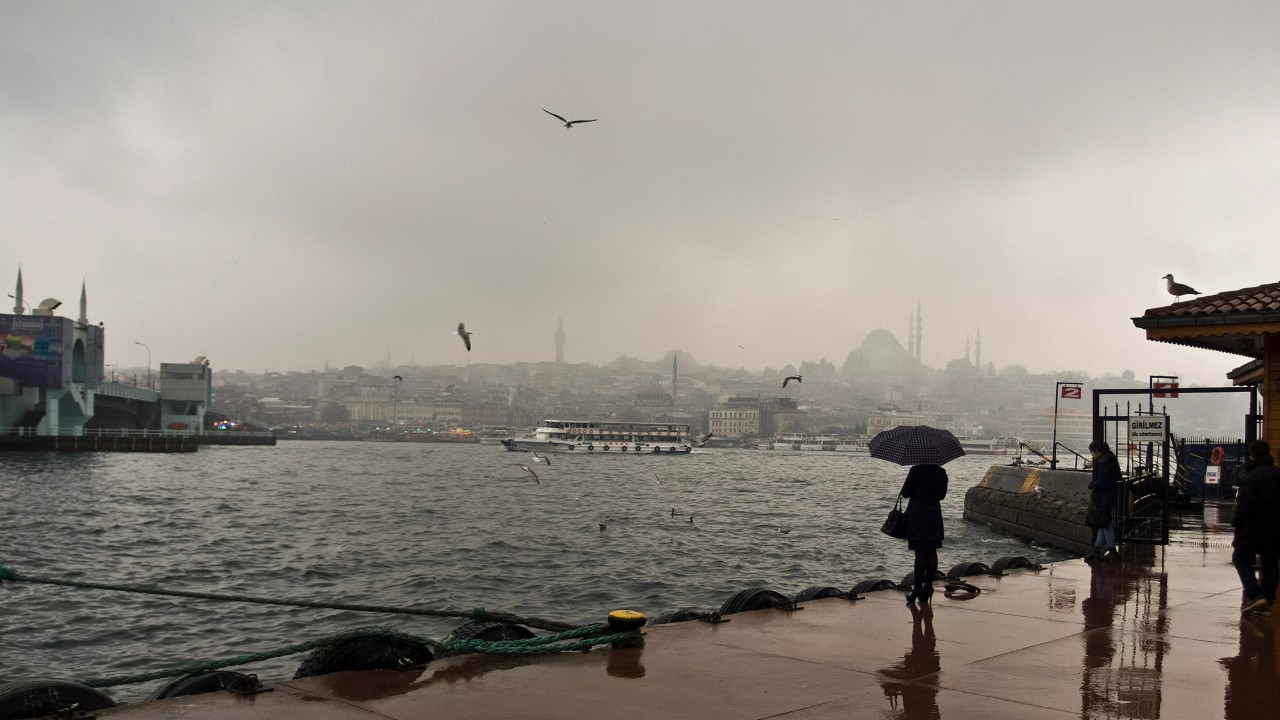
1104	488
1257	524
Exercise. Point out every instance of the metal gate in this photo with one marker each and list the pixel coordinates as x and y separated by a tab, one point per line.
1143	502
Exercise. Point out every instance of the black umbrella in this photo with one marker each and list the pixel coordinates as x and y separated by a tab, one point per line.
915	445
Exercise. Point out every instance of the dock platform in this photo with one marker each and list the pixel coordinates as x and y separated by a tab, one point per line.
1155	634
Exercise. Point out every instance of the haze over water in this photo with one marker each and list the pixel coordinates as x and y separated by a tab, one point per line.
431	526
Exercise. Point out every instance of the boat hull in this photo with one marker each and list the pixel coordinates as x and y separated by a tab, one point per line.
581	447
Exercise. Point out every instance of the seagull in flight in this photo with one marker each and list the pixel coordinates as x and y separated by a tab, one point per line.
531	472
789	378
567	123
702	439
540	458
1177	289
465	335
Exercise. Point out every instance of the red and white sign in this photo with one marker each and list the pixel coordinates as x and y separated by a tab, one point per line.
1165	389
1071	392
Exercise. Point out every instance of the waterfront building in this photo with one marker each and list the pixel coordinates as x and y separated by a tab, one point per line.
50	368
888	417
735	418
186	390
1075	432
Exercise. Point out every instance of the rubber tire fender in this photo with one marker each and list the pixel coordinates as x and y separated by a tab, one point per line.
817	592
756	598
364	653
966	569
199	683
490	631
35	698
681	615
871	586
1011	562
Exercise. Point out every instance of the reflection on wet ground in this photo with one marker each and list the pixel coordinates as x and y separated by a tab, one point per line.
1156	634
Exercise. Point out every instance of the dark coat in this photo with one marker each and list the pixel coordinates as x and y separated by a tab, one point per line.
1257	515
924	489
1104	488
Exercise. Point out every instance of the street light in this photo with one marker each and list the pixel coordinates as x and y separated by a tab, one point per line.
148	347
24	302
395	409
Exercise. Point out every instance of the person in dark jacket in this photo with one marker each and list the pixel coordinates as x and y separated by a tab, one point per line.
1257	523
924	489
1103	490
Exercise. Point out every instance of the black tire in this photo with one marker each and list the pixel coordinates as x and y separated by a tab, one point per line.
872	586
817	592
757	598
364	653
199	683
681	615
966	569
490	631
1012	562
34	698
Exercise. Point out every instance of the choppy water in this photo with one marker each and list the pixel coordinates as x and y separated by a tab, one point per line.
456	526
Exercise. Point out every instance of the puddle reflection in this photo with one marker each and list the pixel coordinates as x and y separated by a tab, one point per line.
911	684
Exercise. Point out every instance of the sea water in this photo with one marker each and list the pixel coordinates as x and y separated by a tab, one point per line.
428	526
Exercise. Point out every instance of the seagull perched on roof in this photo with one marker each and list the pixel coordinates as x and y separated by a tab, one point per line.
567	123
789	378
1177	289
466	336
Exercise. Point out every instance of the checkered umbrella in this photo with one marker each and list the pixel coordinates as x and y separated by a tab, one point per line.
915	445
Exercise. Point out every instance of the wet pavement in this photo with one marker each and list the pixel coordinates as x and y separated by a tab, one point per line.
1156	633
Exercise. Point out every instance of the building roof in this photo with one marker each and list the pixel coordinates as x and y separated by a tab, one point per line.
1232	321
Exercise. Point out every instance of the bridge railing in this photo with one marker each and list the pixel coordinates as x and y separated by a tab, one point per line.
128	432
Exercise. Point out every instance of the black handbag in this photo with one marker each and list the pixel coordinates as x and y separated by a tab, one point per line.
896	524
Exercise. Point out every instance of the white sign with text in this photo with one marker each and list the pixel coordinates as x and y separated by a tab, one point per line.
1148	428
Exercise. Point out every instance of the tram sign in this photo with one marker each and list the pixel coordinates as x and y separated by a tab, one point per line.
1148	428
1164	389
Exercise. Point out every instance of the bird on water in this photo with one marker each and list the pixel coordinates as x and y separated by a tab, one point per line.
1177	289
466	336
789	378
567	123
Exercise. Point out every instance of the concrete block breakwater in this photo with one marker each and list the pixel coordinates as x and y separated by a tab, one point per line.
1047	506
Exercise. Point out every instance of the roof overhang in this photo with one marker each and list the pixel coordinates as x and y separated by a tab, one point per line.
1234	334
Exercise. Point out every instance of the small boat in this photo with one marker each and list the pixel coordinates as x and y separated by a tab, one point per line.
988	446
605	436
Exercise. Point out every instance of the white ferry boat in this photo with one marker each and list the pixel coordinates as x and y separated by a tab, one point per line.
801	441
988	446
590	436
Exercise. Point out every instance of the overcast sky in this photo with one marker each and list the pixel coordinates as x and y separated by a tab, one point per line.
281	185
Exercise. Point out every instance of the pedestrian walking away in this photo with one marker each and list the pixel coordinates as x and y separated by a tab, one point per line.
1104	488
1257	529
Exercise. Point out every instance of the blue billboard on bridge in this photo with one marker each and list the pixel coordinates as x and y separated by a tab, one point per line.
35	350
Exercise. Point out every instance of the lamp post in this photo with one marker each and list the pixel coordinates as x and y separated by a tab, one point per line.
24	302
1061	389
148	347
395	409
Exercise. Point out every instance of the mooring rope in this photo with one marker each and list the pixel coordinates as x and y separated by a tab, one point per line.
478	613
580	638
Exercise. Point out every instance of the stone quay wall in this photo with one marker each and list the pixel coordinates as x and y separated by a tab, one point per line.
1047	506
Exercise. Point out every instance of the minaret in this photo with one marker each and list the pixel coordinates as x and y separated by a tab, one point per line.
560	340
919	332
84	306
17	294
675	375
911	336
977	349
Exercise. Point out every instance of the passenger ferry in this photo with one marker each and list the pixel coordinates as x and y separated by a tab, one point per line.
800	441
591	436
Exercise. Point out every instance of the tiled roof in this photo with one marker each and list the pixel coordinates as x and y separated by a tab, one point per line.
1247	301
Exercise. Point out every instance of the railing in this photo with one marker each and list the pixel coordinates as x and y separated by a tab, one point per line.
131	432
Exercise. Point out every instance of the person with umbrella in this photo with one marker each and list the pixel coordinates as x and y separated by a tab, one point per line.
926	450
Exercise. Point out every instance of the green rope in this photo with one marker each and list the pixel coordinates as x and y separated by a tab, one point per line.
474	614
581	638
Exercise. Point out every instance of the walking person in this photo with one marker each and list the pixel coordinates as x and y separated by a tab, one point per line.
1257	524
1104	488
924	489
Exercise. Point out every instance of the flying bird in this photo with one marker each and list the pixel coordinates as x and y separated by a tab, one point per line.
581	496
540	458
659	481
789	378
1177	289
702	439
466	336
567	123
531	472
